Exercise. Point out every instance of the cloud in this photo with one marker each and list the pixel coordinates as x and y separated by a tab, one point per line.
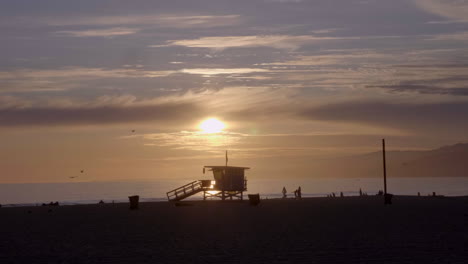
287	42
275	41
424	89
425	119
446	22
158	20
451	9
458	36
82	72
194	140
164	113
218	71
66	78
350	57
283	1
109	32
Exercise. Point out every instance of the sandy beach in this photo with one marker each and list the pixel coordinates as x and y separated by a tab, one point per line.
313	230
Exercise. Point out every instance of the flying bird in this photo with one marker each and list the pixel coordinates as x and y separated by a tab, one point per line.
82	171
133	130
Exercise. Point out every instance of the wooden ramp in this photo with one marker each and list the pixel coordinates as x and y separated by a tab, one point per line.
188	190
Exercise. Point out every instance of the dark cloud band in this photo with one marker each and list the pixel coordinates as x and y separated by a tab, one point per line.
44	116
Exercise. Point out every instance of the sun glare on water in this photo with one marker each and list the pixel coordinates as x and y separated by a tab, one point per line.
212	125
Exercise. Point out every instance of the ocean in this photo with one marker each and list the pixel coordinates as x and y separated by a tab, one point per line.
93	192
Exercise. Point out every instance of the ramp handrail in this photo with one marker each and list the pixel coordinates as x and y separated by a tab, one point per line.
189	188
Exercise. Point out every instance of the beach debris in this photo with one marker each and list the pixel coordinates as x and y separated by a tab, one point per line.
254	199
284	193
134	202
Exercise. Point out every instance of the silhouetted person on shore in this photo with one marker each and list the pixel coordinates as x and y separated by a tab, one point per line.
299	192
334	195
295	194
284	192
341	194
434	194
360	192
419	194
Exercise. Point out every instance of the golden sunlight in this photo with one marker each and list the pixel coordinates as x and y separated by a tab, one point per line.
212	125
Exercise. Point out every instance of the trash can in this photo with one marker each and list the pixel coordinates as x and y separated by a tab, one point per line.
388	198
254	199
134	202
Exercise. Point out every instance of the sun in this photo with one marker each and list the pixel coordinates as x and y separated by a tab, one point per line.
212	125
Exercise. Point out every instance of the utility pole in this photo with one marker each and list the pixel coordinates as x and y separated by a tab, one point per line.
384	167
387	196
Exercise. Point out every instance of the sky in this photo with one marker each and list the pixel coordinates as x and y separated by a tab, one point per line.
294	81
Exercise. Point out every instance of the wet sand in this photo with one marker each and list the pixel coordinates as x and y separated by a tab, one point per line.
313	230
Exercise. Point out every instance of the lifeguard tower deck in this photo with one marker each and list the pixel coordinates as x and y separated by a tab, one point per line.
229	183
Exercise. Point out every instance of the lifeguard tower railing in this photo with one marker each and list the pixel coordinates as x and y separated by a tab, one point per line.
188	190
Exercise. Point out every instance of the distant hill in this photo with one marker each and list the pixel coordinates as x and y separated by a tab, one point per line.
447	161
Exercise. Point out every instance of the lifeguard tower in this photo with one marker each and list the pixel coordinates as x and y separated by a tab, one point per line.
229	183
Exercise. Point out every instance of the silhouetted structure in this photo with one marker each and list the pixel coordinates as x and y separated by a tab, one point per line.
387	196
229	183
134	202
254	199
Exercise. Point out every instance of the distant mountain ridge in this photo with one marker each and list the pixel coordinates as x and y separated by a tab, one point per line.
447	161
